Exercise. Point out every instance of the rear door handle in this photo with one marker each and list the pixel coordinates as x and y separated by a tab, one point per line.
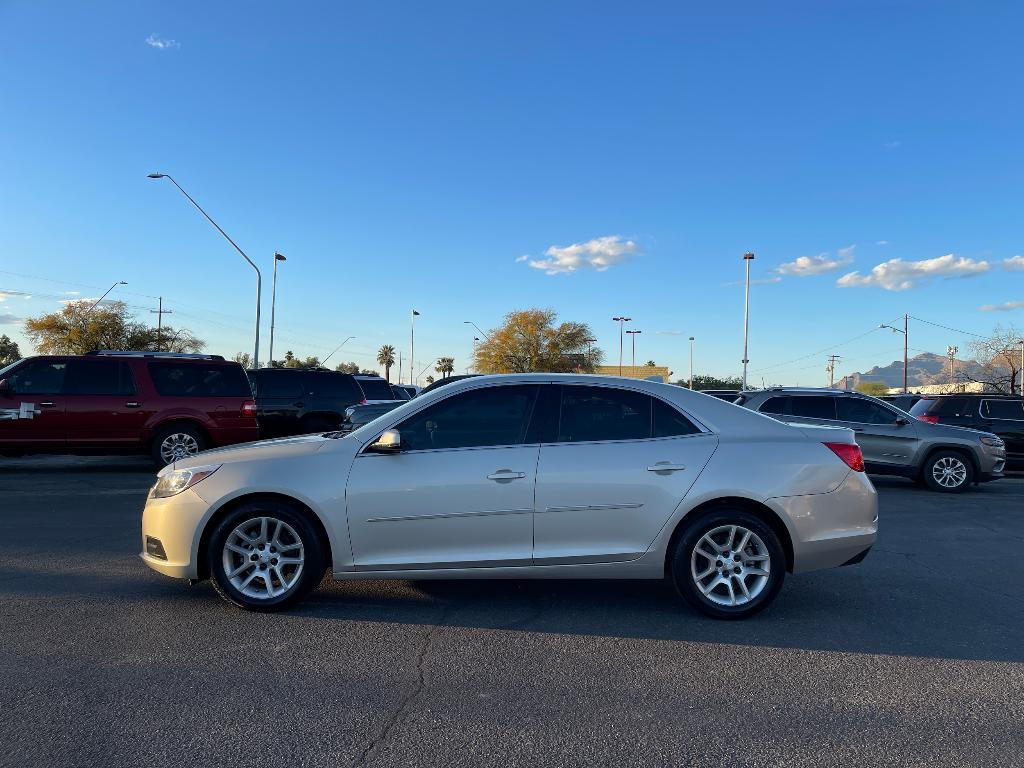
132	404
666	466
506	474
48	404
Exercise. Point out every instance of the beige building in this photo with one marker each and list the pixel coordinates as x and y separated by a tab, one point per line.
635	372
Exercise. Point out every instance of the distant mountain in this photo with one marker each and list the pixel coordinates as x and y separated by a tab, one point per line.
926	368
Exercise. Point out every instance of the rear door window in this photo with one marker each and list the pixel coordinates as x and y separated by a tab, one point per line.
863	411
99	377
813	407
603	413
376	389
337	385
668	422
287	384
181	379
1012	410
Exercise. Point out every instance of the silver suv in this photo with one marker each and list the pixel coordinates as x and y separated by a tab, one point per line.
943	457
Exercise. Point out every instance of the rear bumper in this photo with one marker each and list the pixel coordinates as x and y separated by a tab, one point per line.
832	529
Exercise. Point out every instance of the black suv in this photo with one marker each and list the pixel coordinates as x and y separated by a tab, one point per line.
1002	415
290	401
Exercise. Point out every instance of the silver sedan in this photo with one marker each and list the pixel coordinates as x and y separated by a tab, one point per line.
523	476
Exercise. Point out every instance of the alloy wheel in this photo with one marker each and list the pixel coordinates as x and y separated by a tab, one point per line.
949	472
263	558
178	445
730	565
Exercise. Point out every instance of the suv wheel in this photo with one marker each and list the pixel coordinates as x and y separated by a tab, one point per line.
948	472
728	564
265	556
177	441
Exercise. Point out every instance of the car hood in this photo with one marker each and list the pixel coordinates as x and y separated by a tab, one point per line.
279	448
927	429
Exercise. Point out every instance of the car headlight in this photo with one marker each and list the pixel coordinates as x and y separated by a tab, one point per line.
174	482
994	441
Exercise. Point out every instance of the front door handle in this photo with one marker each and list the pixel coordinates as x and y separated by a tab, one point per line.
506	474
48	404
666	466
132	404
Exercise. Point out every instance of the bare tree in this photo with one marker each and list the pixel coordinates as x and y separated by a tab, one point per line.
998	359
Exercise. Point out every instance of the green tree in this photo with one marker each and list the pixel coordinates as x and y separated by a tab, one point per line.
701	383
530	341
386	357
9	352
430	380
445	366
347	367
873	388
244	358
78	328
650	364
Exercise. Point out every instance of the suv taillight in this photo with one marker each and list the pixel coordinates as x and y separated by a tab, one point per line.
249	408
363	401
849	453
929	418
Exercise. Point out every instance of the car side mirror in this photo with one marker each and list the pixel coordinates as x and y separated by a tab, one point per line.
902	422
390	441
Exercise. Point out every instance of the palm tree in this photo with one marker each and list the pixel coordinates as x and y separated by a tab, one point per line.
445	366
386	357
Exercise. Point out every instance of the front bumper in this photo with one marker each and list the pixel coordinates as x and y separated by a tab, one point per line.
177	523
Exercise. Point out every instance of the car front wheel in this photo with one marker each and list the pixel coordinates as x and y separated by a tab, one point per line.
265	556
728	564
948	472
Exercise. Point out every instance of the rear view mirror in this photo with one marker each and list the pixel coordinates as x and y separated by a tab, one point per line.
390	441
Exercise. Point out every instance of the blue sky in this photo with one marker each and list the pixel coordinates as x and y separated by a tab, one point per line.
411	154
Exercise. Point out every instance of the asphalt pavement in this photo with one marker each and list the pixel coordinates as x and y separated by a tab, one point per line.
914	657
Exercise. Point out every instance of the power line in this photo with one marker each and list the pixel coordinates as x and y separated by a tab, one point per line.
816	352
946	327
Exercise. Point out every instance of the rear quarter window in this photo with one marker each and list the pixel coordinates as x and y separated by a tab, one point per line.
1012	410
181	379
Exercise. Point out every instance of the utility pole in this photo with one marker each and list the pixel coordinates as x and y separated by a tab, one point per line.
160	312
951	352
632	336
620	320
747	258
906	319
830	366
1021	367
412	346
691	363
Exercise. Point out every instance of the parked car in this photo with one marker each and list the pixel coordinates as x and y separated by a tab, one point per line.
294	401
170	406
375	389
532	475
1002	415
358	415
409	389
445	381
903	402
729	395
943	458
400	393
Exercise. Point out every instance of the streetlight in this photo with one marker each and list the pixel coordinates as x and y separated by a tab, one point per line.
691	362
632	336
324	361
620	320
259	277
273	302
412	346
906	319
1022	367
747	258
479	329
951	351
101	298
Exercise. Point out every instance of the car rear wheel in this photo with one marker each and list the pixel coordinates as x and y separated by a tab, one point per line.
948	472
728	564
177	441
265	556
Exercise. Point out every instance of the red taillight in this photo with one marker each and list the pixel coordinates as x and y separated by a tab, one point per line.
249	408
363	401
929	419
849	453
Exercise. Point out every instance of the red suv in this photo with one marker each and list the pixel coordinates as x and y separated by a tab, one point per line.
164	404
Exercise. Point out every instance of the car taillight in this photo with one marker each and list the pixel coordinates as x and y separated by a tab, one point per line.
363	401
929	419
849	453
249	408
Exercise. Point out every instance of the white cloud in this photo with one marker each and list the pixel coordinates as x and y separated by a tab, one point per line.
881	242
1014	264
668	333
804	266
598	254
521	259
7	294
900	275
155	41
71	293
6	319
1004	307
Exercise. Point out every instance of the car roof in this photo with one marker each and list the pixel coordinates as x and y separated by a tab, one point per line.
801	391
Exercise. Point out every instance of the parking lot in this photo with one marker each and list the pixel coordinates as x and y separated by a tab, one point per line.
914	657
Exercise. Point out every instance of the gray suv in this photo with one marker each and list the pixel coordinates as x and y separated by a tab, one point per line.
945	458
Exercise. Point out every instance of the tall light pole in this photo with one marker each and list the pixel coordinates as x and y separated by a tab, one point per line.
951	351
632	335
620	320
324	361
906	319
259	276
412	346
691	362
1022	367
101	298
747	258
480	330
273	303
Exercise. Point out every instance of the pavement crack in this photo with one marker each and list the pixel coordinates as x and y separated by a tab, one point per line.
405	706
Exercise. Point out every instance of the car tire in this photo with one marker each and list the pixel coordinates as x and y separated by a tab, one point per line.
948	472
176	441
265	556
738	581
